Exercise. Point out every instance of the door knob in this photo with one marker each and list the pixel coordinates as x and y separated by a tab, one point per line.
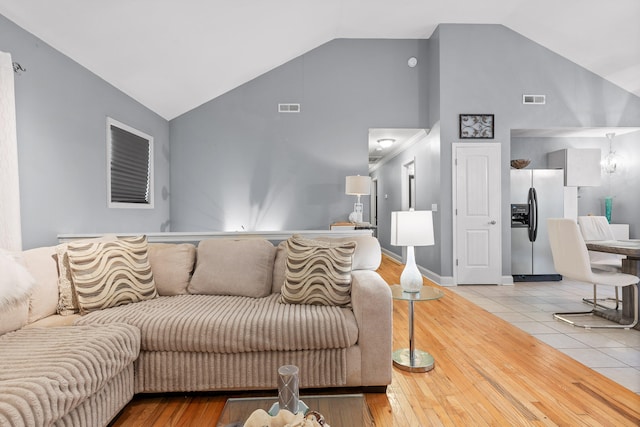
492	222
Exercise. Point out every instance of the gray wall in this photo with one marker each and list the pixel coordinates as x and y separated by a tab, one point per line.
61	126
622	185
487	69
236	163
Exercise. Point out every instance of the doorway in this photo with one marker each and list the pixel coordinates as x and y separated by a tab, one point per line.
373	214
409	185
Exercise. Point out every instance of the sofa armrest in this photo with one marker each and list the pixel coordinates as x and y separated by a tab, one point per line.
373	309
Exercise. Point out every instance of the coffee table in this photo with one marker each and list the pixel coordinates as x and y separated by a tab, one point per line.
339	410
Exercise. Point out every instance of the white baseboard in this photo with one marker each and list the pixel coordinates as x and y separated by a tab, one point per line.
507	280
392	255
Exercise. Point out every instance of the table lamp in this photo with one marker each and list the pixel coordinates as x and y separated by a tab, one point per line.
357	186
411	228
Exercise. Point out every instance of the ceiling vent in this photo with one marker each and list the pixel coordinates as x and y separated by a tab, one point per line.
534	99
288	108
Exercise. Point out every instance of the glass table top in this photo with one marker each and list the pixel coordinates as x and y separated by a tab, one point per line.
338	410
425	294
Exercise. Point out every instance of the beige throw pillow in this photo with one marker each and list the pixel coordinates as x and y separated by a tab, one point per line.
109	274
233	267
172	265
318	272
42	264
279	267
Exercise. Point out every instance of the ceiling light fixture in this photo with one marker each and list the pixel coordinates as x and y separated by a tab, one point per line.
386	142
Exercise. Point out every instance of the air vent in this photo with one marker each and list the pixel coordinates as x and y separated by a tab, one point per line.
534	99
288	108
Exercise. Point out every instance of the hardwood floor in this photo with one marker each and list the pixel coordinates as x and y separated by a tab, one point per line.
487	372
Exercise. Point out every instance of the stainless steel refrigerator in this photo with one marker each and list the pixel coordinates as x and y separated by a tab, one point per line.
536	194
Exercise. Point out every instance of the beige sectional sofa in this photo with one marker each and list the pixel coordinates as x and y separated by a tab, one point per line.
222	315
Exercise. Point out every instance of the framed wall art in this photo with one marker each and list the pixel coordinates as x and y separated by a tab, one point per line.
476	126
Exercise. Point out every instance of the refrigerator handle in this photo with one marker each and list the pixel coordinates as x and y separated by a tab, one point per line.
533	214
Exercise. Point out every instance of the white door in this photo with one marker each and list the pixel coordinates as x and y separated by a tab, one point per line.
477	219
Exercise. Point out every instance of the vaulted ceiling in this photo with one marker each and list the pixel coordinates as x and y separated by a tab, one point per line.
174	55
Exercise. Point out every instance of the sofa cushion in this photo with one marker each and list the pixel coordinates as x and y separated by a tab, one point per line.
317	272
108	274
47	372
67	303
233	267
42	265
232	324
172	266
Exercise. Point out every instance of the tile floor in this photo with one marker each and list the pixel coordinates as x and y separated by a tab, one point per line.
614	353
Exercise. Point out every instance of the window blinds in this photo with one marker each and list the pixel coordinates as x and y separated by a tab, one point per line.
130	166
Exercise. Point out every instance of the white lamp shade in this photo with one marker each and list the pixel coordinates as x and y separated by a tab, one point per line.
358	185
412	228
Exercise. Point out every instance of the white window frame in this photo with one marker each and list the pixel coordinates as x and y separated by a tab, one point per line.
150	174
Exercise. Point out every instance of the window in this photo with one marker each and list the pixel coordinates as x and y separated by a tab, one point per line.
129	166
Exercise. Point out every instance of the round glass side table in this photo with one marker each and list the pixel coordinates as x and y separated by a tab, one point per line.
410	359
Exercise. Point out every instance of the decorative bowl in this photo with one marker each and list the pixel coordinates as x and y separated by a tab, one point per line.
520	163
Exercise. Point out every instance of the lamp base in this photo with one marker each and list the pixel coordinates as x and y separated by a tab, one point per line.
411	279
357	213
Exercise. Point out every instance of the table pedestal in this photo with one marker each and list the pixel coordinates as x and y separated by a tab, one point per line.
410	359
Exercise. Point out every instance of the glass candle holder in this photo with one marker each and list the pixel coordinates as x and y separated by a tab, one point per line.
288	388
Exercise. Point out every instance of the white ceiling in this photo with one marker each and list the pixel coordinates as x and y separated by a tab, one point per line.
174	55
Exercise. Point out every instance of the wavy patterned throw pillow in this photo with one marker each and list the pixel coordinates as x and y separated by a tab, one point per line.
67	302
317	272
109	274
